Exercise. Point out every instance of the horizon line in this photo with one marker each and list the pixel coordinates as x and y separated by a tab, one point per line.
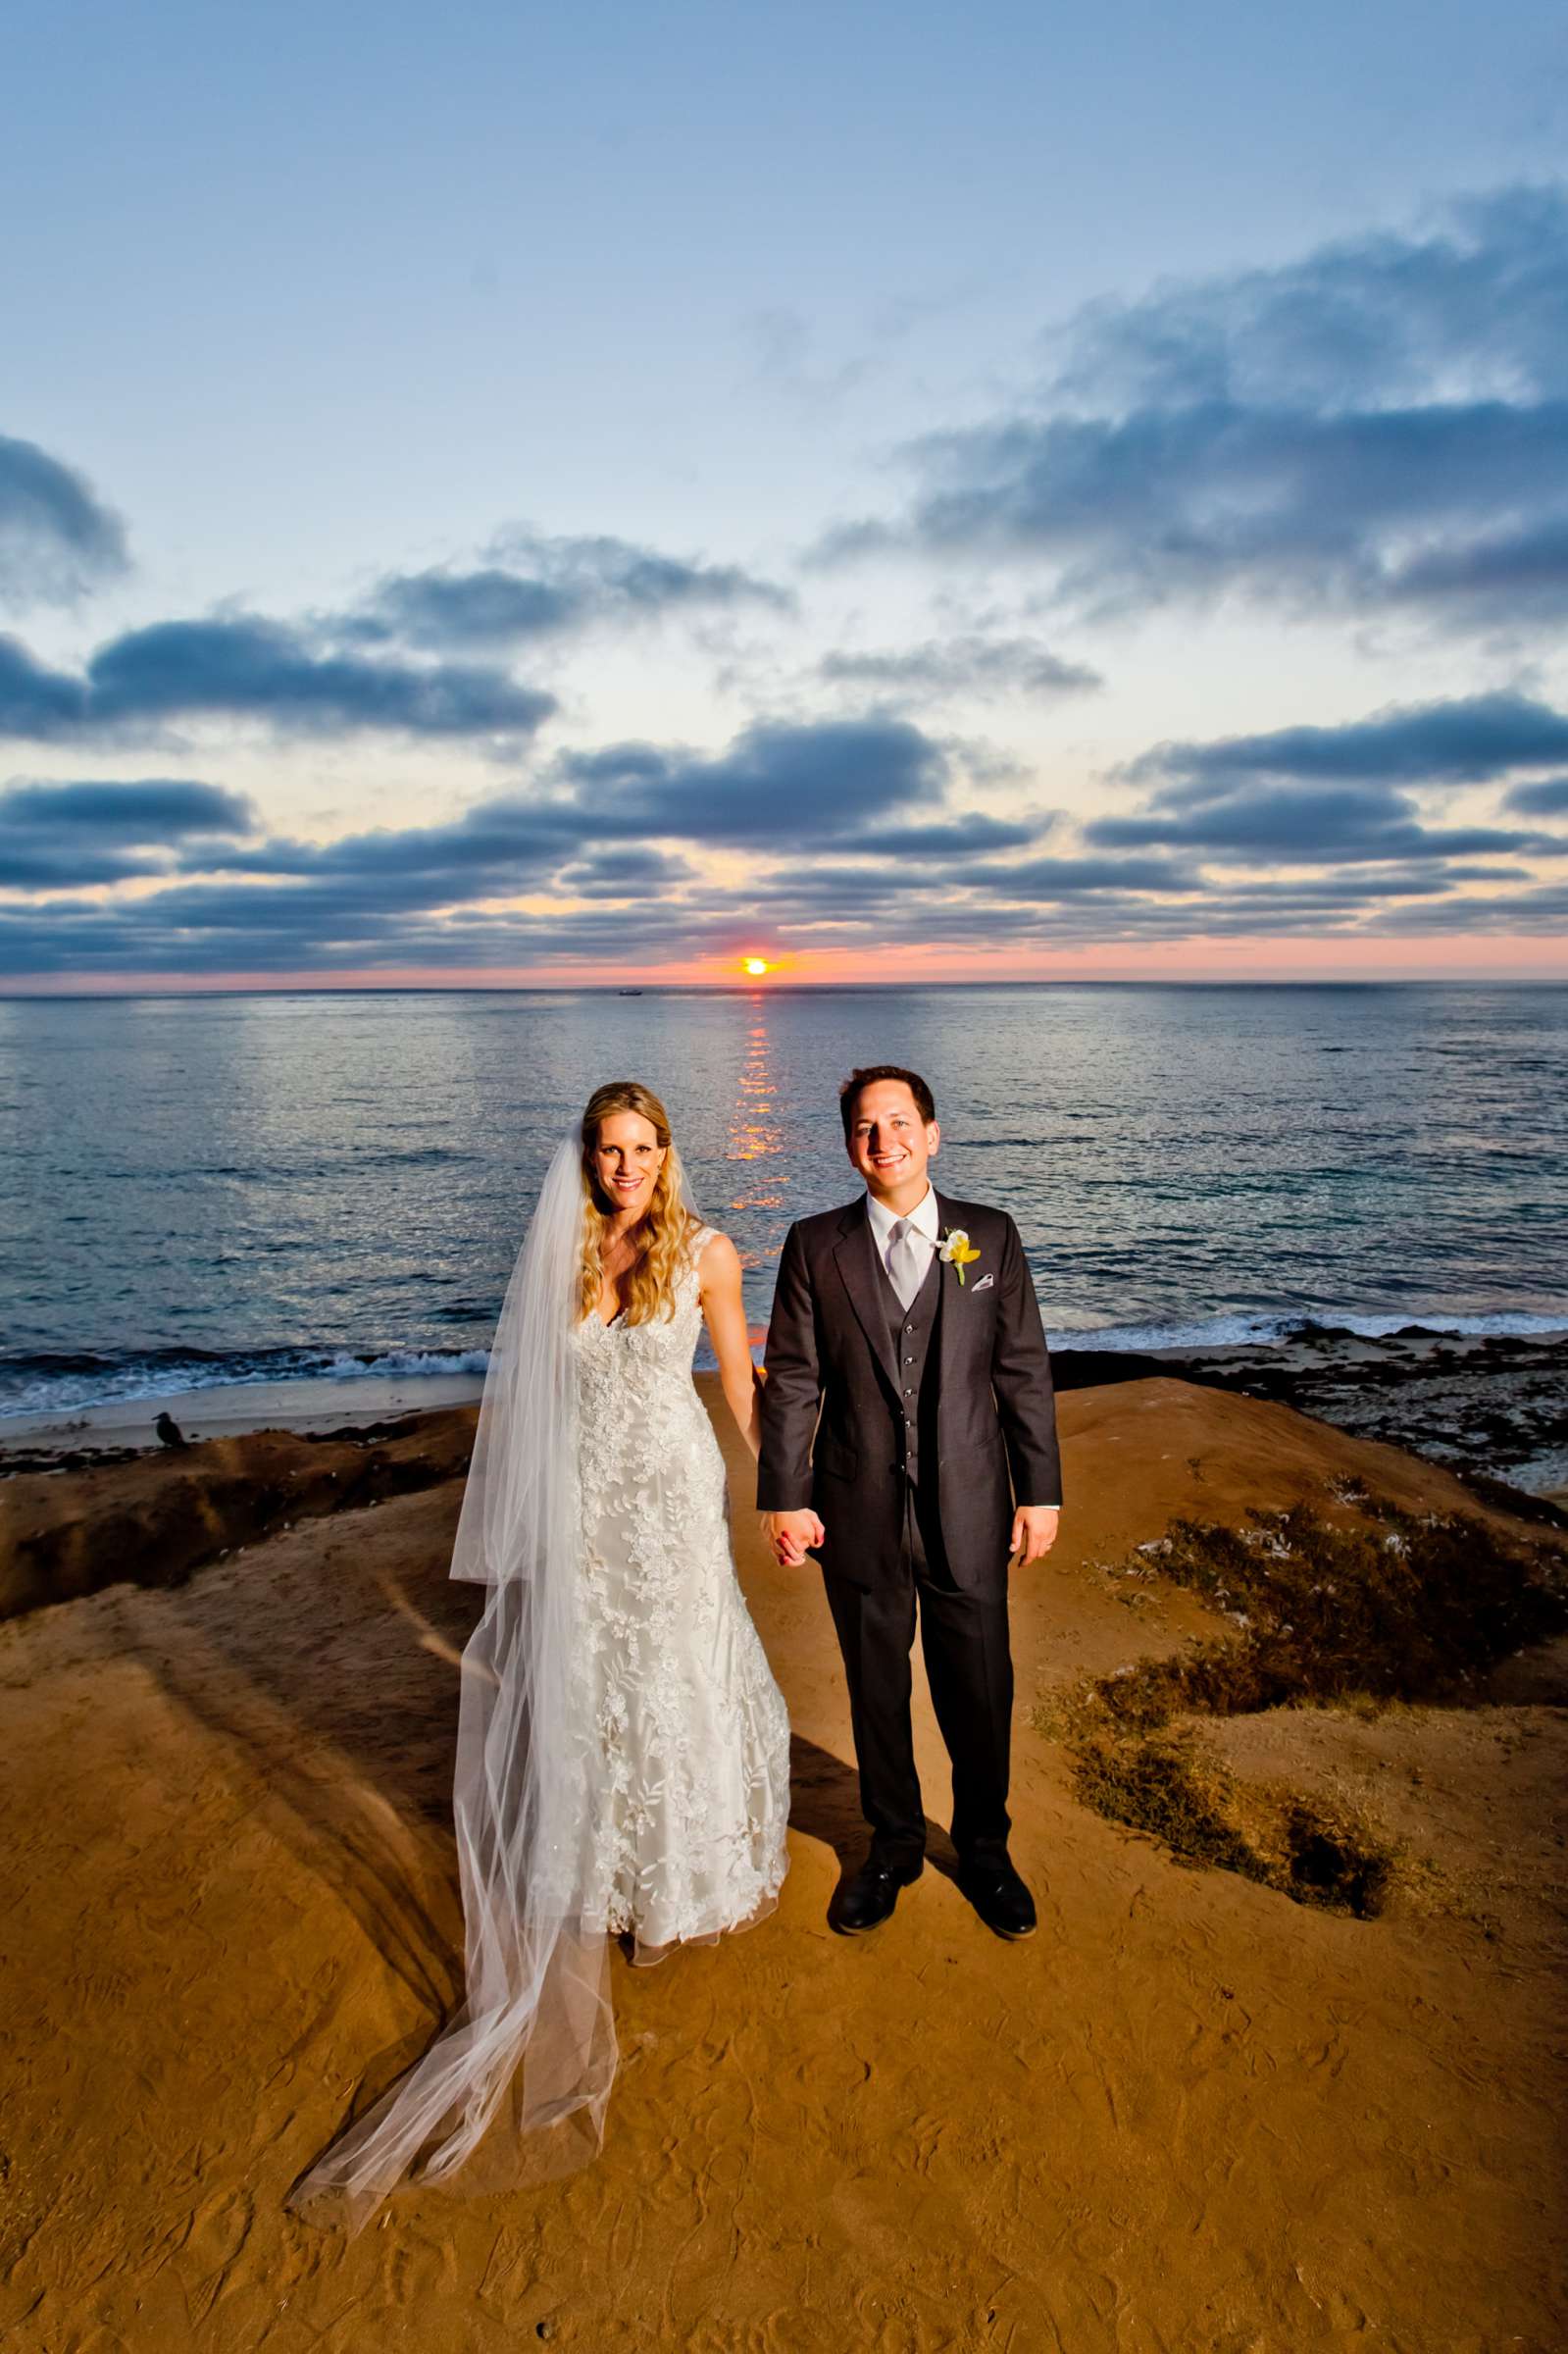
772	989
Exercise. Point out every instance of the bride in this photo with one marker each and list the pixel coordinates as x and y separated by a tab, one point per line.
623	1761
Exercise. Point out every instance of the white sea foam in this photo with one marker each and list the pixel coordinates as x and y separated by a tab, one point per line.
127	1384
68	1392
405	1365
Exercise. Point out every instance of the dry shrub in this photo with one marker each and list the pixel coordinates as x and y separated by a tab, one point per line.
1395	1606
1319	1851
1386	1612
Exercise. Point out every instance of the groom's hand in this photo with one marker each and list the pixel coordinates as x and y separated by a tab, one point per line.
1035	1528
792	1535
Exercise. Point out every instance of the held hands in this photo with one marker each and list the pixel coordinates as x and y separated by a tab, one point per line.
1035	1528
792	1535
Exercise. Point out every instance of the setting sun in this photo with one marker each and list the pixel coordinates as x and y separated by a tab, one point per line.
755	965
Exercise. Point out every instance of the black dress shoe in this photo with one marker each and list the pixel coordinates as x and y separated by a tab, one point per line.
1001	1898
870	1897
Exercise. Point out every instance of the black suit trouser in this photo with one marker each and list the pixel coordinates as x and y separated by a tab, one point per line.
969	1666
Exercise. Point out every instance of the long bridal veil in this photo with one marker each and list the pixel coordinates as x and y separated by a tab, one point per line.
536	1997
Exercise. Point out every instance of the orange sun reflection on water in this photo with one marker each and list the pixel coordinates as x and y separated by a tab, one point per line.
755	1136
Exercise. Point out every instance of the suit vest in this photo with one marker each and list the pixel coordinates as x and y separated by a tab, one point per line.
912	1331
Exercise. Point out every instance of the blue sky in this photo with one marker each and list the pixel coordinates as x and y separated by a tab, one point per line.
489	493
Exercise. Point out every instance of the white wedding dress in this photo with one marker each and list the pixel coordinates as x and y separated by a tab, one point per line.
684	1731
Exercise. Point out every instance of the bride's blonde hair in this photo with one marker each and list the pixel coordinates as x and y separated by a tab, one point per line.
666	1228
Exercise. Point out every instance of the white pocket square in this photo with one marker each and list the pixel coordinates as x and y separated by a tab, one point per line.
984	1283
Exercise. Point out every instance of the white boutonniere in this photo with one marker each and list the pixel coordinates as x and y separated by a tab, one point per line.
957	1250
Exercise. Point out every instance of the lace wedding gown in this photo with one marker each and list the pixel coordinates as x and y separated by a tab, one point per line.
685	1732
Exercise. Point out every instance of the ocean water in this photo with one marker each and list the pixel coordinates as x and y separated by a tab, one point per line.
200	1190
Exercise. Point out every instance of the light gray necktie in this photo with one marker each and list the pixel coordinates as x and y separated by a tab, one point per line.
904	1261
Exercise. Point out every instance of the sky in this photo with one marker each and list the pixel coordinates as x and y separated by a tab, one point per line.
496	495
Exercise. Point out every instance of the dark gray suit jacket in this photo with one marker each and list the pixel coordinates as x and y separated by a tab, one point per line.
832	1408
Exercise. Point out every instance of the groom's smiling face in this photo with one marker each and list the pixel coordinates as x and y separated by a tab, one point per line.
890	1144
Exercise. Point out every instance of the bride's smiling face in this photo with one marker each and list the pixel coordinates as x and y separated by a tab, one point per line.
627	1159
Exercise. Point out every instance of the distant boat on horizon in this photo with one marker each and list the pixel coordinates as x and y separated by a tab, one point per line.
629	992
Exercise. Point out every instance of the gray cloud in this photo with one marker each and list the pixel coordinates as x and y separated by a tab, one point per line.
863	908
245	930
776	784
579	844
489	608
504	845
56	535
63	835
1164	505
1378	425
36	701
1335	795
543	587
1474	309
146	809
980	667
990	891
1547	798
248	668
1470	741
624	874
869	887
967	834
1067	877
1331	824
1520	574
1542	909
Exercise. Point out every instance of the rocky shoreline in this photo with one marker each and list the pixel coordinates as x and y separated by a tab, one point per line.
1489	1407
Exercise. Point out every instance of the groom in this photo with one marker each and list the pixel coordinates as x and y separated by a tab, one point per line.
908	1321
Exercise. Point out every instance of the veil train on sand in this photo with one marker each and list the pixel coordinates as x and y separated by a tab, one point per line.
538	1992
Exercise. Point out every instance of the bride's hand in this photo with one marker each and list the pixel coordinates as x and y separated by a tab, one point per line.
792	1535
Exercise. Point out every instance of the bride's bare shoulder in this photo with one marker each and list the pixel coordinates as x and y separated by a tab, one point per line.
714	1251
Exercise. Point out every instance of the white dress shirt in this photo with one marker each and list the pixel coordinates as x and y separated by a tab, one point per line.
924	1223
